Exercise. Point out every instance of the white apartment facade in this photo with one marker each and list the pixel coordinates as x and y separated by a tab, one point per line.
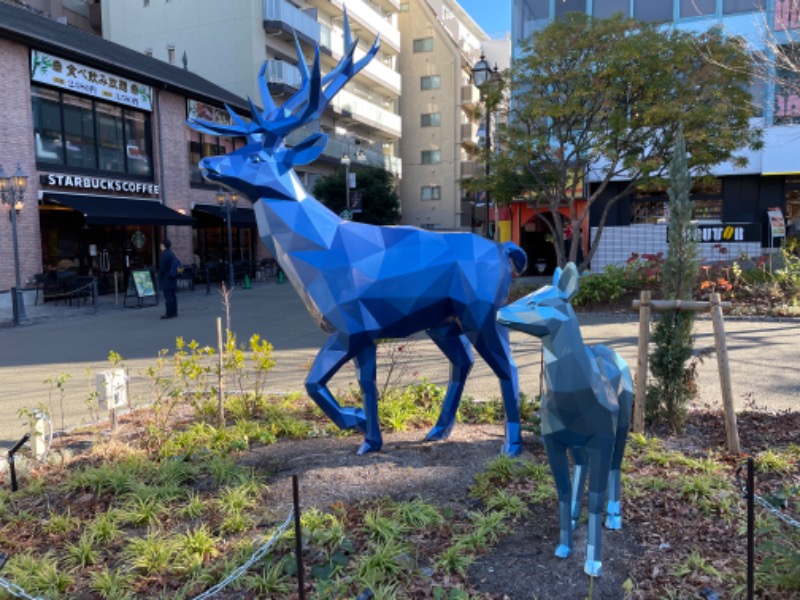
441	144
227	41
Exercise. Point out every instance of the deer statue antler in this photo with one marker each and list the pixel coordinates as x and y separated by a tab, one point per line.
308	104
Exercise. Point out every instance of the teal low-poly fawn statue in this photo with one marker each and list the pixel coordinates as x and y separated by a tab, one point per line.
586	408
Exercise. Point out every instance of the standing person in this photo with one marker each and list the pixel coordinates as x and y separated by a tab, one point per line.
167	281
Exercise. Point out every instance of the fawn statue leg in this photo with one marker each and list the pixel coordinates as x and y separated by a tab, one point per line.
492	344
365	368
578	482
327	362
457	349
559	465
599	467
614	508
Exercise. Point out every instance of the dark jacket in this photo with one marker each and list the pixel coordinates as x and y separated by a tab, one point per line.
165	282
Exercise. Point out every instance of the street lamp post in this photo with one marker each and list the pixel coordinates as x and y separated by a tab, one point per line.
12	191
228	202
346	162
483	76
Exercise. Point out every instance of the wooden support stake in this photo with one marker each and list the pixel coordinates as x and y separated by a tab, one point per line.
641	363
221	380
724	374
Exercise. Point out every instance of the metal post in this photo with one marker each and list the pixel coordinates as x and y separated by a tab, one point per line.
95	294
298	538
347	186
751	526
230	244
11	466
18	301
487	168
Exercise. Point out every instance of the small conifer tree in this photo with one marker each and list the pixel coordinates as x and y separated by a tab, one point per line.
672	384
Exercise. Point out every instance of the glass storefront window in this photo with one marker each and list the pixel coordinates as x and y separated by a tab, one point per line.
91	135
47	126
739	6
656	12
79	131
696	8
567	6
136	145
110	142
603	9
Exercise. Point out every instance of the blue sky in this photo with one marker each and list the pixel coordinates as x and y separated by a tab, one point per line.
494	16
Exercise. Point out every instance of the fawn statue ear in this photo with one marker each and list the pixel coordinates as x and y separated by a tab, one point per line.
308	150
567	282
556	276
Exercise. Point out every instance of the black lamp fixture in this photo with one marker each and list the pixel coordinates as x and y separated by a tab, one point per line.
482	76
228	202
12	193
347	215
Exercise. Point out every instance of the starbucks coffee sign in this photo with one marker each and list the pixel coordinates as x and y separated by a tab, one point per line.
86	184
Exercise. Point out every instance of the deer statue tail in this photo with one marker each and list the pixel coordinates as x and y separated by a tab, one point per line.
517	255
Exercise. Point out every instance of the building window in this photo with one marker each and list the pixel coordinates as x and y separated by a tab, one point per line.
529	16
603	9
654	12
787	98
423	45
568	6
431	120
697	8
88	135
430	82
431	157
431	192
730	7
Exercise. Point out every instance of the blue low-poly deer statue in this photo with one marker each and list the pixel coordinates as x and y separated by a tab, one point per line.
586	408
363	283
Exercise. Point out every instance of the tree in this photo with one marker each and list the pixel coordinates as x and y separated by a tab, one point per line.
673	384
380	203
604	99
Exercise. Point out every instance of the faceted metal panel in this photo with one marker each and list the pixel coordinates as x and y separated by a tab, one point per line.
586	408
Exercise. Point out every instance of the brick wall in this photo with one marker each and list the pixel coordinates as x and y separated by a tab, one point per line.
16	148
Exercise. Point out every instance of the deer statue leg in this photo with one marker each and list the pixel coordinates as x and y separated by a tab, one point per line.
614	509
327	362
365	367
599	468
457	349
559	465
492	344
578	482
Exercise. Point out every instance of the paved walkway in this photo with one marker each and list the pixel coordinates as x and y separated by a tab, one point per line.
76	341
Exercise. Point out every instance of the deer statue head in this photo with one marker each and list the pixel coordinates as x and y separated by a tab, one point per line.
266	162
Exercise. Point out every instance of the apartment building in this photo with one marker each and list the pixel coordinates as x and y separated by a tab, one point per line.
440	109
737	209
228	41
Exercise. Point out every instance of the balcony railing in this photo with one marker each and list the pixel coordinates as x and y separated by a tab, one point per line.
469	133
470	94
469	168
280	11
367	112
372	20
280	72
375	69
